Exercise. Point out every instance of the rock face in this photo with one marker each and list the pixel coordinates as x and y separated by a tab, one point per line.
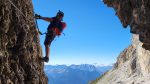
19	44
136	14
133	64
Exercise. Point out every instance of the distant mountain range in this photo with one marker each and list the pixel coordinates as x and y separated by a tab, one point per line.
74	74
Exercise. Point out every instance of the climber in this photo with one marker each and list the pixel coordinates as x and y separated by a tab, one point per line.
54	29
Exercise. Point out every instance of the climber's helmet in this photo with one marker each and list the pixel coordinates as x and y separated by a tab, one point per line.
60	14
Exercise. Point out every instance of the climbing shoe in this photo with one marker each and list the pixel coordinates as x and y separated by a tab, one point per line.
46	59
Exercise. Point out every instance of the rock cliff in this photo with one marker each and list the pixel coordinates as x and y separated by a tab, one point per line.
19	44
136	14
133	64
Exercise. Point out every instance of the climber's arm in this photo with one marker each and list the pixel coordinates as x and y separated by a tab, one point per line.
43	18
46	19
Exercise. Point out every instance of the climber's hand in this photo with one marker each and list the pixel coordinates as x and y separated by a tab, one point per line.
37	16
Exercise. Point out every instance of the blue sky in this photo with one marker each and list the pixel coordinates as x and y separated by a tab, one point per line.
94	33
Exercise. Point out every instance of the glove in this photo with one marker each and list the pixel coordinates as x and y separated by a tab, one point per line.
37	16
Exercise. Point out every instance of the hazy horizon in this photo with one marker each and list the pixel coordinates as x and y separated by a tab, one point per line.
80	64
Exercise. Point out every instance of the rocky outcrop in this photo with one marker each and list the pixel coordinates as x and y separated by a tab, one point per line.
133	64
136	14
19	44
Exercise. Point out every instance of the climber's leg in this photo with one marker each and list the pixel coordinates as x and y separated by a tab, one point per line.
48	40
47	50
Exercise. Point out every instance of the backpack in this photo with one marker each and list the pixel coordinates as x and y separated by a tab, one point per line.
56	24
